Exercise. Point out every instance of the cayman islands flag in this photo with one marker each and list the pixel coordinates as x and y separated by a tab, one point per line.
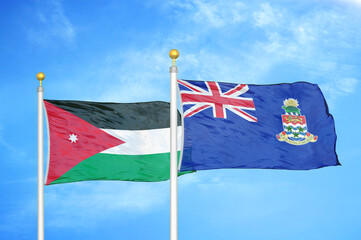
280	126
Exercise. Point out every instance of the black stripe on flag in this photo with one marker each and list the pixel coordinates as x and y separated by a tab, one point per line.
122	116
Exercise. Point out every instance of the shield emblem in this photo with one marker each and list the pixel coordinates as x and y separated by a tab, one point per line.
295	127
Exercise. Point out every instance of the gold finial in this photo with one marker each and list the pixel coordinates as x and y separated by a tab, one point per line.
40	76
173	54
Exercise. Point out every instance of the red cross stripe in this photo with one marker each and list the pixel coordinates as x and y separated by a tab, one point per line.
213	97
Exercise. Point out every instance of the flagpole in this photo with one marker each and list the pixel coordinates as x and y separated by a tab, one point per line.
173	148
40	76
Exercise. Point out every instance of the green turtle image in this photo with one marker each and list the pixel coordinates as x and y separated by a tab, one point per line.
291	106
291	109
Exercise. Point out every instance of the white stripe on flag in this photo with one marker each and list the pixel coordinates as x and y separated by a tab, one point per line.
142	142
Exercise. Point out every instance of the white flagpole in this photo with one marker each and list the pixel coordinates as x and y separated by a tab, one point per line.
40	76
173	148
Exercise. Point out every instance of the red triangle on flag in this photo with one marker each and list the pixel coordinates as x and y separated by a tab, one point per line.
72	140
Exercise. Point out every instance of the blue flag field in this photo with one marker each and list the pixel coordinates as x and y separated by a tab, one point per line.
280	126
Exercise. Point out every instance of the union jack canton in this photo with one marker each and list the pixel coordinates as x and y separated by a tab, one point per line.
212	96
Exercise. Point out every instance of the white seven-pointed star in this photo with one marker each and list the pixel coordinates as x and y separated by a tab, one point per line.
73	138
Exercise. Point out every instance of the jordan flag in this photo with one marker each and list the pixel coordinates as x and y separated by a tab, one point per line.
108	141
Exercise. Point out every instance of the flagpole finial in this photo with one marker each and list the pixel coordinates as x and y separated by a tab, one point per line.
40	76
173	54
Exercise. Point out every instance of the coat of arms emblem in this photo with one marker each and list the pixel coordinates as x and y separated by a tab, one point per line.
295	129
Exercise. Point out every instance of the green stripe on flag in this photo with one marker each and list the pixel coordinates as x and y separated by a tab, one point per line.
102	166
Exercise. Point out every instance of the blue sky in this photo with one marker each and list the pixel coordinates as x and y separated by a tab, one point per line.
118	51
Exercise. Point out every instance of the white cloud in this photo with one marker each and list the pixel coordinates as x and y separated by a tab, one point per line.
267	16
53	24
211	13
348	85
353	2
338	87
135	76
208	65
306	41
